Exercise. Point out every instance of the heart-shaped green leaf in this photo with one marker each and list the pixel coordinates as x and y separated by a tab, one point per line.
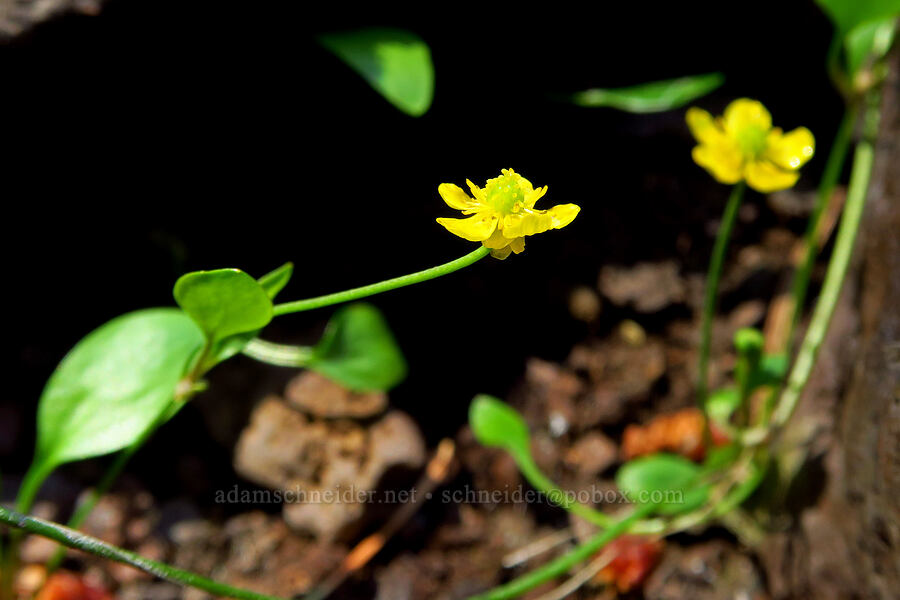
358	350
847	14
652	97
271	283
113	384
223	302
498	425
274	281
666	480
395	62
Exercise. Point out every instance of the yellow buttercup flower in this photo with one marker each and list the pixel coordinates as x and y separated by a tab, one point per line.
502	213
742	144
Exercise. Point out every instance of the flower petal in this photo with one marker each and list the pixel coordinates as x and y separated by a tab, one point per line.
455	197
702	126
497	240
744	113
476	228
476	191
563	214
530	222
764	176
533	196
790	150
517	245
722	160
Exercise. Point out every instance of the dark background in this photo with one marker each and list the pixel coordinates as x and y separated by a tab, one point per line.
159	138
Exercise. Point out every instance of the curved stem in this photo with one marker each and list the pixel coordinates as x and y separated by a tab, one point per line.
282	355
79	541
831	288
712	288
542	483
565	562
833	166
381	286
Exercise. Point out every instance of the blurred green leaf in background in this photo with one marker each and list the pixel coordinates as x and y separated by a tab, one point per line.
395	62
657	96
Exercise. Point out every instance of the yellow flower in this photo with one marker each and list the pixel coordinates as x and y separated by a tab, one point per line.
502	213
742	144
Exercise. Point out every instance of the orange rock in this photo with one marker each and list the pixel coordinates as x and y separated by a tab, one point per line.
68	586
635	558
680	432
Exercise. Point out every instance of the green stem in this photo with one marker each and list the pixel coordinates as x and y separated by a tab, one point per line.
110	476
542	483
712	288
281	355
381	286
833	166
565	562
85	543
834	277
28	491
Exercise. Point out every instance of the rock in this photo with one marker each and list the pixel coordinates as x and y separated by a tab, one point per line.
325	468
584	304
592	454
317	395
711	570
648	287
550	394
17	17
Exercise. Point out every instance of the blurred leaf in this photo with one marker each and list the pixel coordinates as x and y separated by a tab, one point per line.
223	302
770	370
749	340
274	281
847	14
719	457
652	97
869	41
722	403
668	480
358	350
498	425
395	62
113	384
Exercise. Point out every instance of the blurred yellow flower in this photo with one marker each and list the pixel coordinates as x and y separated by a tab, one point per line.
742	144
502	213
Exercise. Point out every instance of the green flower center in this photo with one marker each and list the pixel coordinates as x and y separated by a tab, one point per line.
502	193
752	140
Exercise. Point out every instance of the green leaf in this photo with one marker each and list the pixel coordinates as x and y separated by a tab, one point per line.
722	403
652	97
498	425
719	457
868	42
358	350
770	370
668	480
223	302
395	62
274	282
113	384
847	14
271	283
